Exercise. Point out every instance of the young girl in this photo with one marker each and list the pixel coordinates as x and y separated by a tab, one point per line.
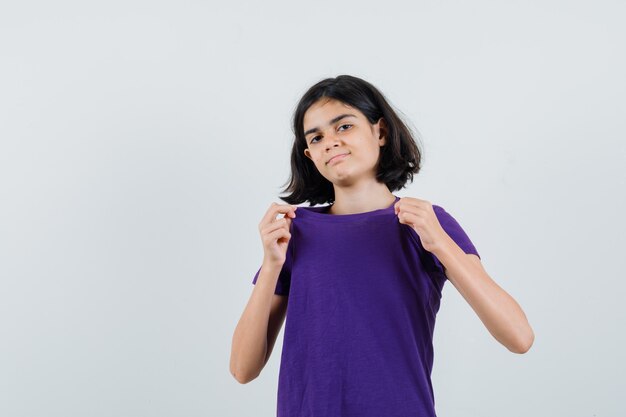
359	279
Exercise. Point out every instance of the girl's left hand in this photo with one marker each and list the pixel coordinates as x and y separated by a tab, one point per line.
419	214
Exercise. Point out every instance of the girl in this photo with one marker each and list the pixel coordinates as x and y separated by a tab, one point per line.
359	279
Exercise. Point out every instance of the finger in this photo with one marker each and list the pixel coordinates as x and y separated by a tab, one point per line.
409	213
277	234
276	209
409	202
270	227
414	207
415	220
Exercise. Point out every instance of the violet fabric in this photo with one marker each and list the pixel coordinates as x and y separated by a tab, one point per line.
363	296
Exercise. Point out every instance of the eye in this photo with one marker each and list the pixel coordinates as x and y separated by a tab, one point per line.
345	125
315	137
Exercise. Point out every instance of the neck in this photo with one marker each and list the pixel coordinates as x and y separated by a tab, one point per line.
362	202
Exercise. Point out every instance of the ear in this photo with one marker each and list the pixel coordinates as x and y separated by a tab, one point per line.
307	153
382	131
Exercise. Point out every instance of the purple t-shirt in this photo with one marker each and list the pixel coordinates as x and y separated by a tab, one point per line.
363	296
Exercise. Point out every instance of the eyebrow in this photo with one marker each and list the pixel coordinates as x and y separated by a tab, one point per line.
334	120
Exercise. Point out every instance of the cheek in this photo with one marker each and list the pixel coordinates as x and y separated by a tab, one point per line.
371	154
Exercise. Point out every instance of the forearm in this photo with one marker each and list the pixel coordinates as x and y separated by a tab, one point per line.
498	311
249	344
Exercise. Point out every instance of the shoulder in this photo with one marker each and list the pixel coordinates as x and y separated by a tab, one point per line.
440	212
447	220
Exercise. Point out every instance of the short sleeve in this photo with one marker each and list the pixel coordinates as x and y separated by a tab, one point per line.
455	231
284	278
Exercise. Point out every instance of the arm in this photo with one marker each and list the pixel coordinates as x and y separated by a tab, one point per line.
258	327
498	311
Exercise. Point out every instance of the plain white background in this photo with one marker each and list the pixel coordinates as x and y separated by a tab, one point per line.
142	142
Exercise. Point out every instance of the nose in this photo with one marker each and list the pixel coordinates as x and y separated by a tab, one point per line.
333	140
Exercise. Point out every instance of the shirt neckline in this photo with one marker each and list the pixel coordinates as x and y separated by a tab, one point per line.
320	213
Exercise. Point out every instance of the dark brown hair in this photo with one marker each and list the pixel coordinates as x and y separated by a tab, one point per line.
399	158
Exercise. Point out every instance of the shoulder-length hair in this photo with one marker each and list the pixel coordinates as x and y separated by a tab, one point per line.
399	159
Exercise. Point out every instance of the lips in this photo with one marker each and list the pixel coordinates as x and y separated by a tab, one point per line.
337	156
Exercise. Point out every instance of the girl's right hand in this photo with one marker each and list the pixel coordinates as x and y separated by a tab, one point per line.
275	233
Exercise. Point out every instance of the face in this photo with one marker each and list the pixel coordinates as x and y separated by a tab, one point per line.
328	134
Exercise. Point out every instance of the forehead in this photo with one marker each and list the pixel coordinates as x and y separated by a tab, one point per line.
323	110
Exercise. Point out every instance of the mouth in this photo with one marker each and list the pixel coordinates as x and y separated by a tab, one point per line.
338	157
